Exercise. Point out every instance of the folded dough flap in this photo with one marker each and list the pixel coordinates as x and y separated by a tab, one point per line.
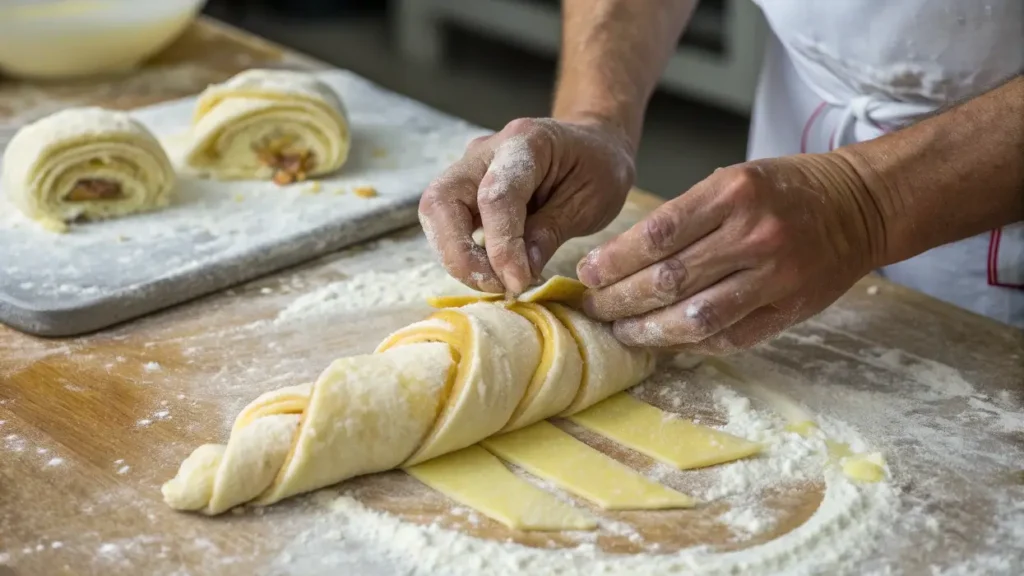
555	289
608	365
558	375
257	128
366	414
86	163
497	352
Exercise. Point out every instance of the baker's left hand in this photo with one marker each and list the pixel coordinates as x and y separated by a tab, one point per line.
744	254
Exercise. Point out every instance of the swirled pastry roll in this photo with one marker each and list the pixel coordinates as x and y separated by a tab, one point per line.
86	163
432	388
268	124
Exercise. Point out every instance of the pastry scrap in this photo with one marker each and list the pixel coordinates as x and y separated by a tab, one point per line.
85	164
278	125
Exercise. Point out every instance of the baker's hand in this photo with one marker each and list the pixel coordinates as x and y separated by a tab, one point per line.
534	185
741	256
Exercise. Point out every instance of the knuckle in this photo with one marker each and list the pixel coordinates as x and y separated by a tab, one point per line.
705	318
660	230
478	141
670	275
433	194
520	126
741	187
769	237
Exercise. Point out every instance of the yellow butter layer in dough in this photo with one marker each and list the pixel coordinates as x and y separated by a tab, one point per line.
497	350
661	435
558	375
474	477
544	450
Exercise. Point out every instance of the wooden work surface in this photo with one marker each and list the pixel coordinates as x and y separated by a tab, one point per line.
90	427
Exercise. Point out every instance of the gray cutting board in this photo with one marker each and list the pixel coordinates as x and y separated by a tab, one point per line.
217	234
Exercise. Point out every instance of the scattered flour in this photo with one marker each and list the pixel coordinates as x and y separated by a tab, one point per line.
845	528
373	289
151	367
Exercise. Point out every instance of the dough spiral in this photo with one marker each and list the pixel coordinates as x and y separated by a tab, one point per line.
268	124
429	389
86	163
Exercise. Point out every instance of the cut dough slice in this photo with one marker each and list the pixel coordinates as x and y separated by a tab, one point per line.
498	352
86	163
546	451
663	436
269	124
474	477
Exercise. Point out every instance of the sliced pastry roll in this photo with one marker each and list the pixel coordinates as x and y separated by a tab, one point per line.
268	124
85	163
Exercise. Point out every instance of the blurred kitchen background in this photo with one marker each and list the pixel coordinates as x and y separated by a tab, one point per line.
490	61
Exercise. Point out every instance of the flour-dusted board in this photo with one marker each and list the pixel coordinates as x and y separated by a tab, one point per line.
217	234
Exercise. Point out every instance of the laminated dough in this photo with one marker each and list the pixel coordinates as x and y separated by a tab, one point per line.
85	163
430	389
268	124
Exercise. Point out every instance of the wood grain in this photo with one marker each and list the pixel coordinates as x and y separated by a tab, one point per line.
120	425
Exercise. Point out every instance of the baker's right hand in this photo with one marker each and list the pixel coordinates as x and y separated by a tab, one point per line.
532	186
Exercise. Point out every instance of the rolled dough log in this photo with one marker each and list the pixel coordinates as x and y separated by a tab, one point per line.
268	124
86	163
430	389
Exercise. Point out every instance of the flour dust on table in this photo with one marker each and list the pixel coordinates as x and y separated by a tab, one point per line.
362	532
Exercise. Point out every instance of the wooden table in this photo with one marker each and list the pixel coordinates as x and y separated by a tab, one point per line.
90	427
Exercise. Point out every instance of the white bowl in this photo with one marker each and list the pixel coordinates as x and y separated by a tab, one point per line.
74	38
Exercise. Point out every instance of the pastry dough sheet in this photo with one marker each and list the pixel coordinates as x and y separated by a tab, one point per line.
546	451
662	435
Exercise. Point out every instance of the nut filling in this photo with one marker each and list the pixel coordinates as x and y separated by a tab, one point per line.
90	189
289	165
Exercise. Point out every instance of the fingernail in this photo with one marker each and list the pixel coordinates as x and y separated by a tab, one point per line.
587	270
536	259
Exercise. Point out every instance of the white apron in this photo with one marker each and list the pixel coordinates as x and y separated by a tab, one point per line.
843	71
